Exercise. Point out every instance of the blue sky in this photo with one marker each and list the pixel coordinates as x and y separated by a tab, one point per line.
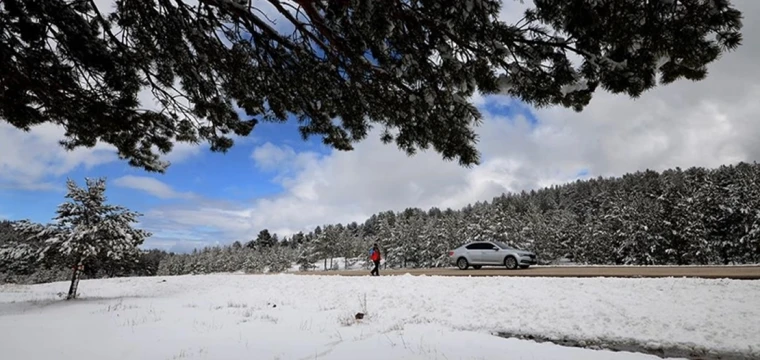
230	176
224	176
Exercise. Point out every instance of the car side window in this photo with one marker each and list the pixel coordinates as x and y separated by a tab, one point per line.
476	246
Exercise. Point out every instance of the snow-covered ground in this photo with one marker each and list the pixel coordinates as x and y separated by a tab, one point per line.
338	263
289	316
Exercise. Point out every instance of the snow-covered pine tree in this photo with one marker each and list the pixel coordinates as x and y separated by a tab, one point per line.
16	257
748	247
560	243
174	264
319	246
265	239
476	222
411	223
297	240
353	245
345	244
330	242
434	244
535	232
190	265
85	227
685	237
389	238
703	206
165	266
277	258
590	246
252	261
305	258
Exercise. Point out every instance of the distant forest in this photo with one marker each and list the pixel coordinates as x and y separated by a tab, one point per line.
694	217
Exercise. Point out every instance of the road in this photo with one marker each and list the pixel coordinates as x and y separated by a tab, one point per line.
706	272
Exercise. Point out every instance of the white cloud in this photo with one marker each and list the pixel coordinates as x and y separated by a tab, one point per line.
151	186
29	157
271	157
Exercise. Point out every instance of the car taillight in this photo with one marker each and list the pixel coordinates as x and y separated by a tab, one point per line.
451	253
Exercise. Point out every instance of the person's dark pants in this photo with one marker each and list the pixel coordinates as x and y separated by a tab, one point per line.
375	271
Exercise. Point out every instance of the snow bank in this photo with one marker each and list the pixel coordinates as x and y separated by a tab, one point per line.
408	317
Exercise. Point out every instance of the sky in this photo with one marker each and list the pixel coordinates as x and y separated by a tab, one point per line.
275	180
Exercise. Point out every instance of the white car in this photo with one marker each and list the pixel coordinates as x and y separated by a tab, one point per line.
490	253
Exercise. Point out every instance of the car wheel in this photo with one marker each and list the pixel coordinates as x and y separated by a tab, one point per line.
510	262
477	267
524	266
462	264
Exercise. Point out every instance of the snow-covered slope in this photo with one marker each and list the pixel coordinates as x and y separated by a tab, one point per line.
307	317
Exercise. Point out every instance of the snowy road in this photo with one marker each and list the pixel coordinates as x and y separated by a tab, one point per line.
705	272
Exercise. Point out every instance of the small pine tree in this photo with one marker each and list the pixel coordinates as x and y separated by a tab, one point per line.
265	239
86	228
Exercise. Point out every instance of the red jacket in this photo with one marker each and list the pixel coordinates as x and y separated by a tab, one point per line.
375	255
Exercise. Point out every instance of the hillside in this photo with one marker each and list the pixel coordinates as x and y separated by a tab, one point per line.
693	217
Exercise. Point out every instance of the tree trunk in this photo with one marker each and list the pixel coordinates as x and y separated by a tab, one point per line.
74	281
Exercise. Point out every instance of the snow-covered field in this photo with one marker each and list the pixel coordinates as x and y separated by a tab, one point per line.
306	317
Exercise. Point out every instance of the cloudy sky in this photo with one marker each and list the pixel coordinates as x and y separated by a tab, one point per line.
275	180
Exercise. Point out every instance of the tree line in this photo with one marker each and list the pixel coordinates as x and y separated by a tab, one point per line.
696	216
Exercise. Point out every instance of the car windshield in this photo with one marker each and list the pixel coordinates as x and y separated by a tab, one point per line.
503	245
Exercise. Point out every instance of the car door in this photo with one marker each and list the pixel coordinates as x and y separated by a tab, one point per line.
491	254
475	252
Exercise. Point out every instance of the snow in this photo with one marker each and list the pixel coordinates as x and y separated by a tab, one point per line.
580	85
505	84
338	263
289	316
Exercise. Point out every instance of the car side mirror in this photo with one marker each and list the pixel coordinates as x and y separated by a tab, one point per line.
496	249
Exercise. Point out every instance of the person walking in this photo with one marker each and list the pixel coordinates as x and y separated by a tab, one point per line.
374	255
